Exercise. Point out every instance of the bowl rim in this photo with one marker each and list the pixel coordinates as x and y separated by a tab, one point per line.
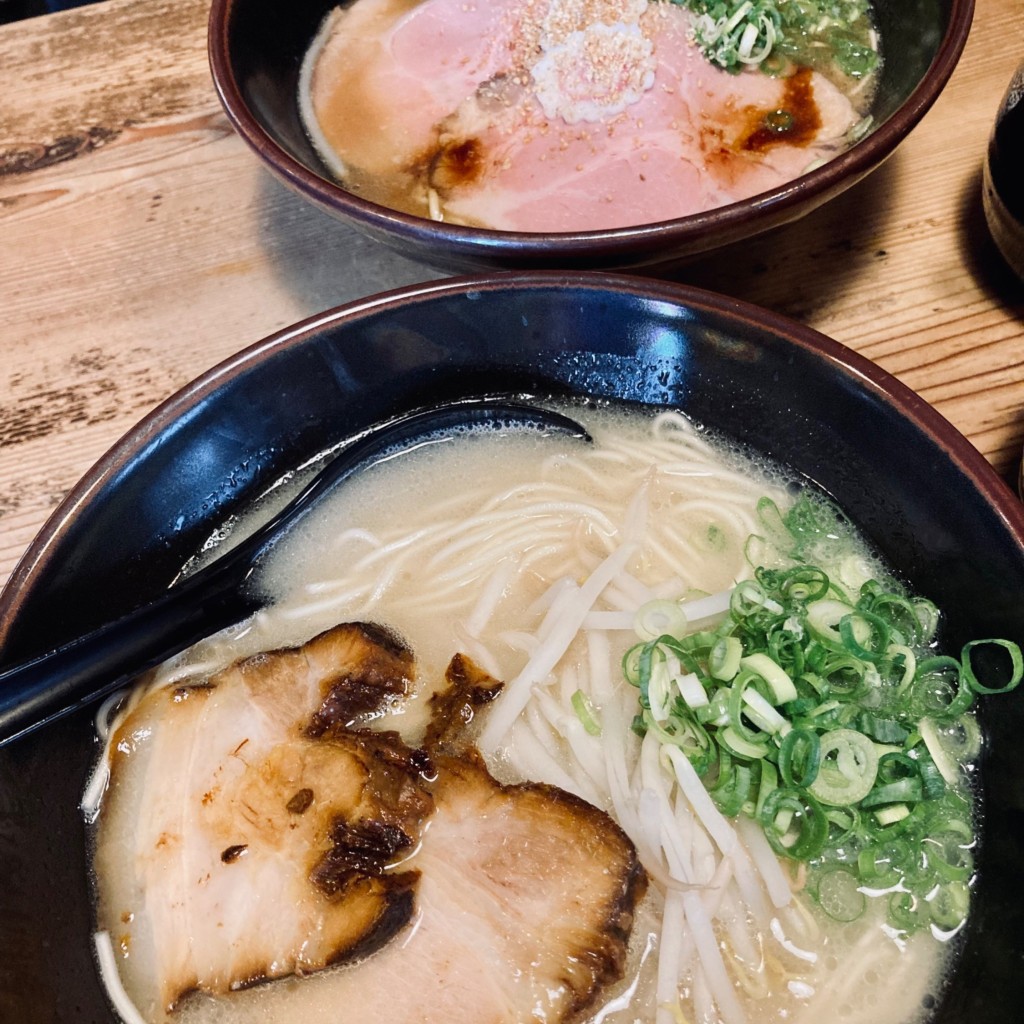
724	223
869	376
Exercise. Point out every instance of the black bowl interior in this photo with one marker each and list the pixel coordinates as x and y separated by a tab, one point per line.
257	46
916	487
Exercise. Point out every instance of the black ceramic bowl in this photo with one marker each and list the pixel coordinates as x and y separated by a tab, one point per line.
917	488
256	47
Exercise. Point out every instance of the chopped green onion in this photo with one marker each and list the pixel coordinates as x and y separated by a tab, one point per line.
1016	665
823	618
939	689
949	857
865	635
724	660
806	583
907	911
586	713
768	782
778	680
659	618
902	659
749	599
659	690
931	778
928	617
762	714
849	678
901	792
733	793
844	823
691	690
816	708
800	758
734	34
880	865
882	730
688	735
740	746
849	766
951	744
631	665
948	905
794	824
839	895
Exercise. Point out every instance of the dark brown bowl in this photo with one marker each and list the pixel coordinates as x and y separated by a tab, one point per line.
256	48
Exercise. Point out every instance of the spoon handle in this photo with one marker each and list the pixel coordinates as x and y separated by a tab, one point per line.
217	596
91	667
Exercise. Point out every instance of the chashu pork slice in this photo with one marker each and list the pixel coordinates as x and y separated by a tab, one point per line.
686	146
247	834
254	831
524	905
457	96
524	909
389	70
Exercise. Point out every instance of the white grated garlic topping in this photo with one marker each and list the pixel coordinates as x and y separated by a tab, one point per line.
595	72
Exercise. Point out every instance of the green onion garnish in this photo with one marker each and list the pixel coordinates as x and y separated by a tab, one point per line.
824	713
586	713
774	35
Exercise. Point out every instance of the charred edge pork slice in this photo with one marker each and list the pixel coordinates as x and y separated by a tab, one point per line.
453	708
240	843
551	881
524	906
235	847
344	675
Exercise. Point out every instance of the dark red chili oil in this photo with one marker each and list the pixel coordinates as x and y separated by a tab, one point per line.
795	121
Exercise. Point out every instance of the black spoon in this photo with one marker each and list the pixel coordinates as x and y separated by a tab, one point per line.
217	596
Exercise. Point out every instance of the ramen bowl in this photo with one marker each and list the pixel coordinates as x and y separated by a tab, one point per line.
256	48
916	488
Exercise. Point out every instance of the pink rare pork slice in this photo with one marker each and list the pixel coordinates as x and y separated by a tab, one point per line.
554	115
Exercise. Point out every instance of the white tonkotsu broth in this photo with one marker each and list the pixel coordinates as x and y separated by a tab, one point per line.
530	556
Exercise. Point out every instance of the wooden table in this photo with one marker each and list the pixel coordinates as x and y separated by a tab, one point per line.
141	242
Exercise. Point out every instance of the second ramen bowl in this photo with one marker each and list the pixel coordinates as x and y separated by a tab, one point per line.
256	50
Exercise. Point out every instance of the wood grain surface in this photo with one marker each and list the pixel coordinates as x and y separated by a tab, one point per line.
141	243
